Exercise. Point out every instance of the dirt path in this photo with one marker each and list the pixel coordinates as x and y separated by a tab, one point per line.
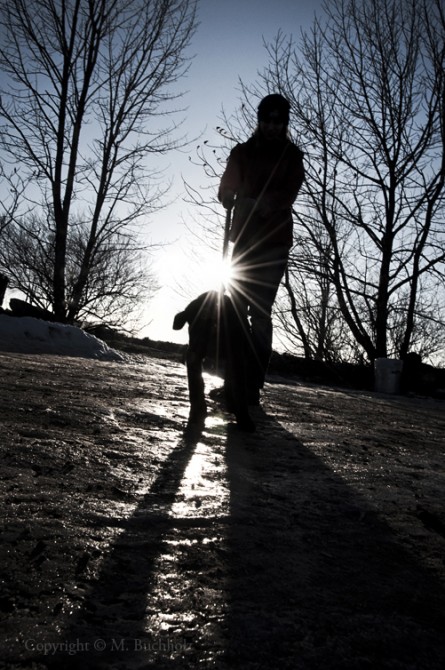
130	542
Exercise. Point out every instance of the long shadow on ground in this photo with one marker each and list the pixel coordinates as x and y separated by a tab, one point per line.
297	572
318	580
108	632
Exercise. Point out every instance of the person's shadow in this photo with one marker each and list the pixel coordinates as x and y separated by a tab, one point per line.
317	579
295	570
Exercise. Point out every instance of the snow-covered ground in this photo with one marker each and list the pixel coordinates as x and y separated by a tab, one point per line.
34	336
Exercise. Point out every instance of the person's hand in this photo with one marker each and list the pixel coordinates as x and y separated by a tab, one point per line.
228	198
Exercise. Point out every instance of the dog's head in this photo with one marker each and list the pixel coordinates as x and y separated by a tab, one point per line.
203	308
179	321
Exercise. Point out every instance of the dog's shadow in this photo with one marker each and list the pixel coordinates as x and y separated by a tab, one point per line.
113	612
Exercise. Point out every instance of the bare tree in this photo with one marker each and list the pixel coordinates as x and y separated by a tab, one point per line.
368	96
119	279
307	313
90	85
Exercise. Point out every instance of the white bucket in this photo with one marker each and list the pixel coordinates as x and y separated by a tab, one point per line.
387	375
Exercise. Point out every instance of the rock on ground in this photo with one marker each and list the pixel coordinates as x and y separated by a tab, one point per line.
130	541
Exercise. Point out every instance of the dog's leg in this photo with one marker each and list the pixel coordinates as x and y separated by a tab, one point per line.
198	407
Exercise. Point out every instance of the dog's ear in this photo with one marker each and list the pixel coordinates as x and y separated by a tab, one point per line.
179	321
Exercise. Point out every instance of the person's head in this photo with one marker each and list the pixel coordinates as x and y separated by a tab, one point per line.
273	116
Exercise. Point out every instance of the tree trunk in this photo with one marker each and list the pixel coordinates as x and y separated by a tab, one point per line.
59	304
294	312
3	286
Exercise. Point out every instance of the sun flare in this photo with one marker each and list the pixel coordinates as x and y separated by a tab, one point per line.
216	274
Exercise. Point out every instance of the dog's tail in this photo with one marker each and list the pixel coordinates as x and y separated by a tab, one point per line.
180	320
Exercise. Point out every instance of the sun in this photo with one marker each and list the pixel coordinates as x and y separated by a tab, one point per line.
216	273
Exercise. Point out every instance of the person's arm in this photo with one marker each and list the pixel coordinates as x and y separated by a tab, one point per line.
231	179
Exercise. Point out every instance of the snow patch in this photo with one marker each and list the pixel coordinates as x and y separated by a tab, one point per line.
35	336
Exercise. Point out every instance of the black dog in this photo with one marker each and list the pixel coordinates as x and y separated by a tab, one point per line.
216	332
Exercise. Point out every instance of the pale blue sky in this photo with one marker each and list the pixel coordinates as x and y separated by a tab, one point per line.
228	45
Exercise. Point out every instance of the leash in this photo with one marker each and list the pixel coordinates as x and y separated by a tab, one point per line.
226	243
227	232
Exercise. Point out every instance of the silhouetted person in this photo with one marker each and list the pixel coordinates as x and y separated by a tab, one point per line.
261	181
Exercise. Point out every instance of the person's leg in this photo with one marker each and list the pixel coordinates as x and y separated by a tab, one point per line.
256	289
235	381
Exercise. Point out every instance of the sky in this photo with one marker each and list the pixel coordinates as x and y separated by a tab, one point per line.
228	45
